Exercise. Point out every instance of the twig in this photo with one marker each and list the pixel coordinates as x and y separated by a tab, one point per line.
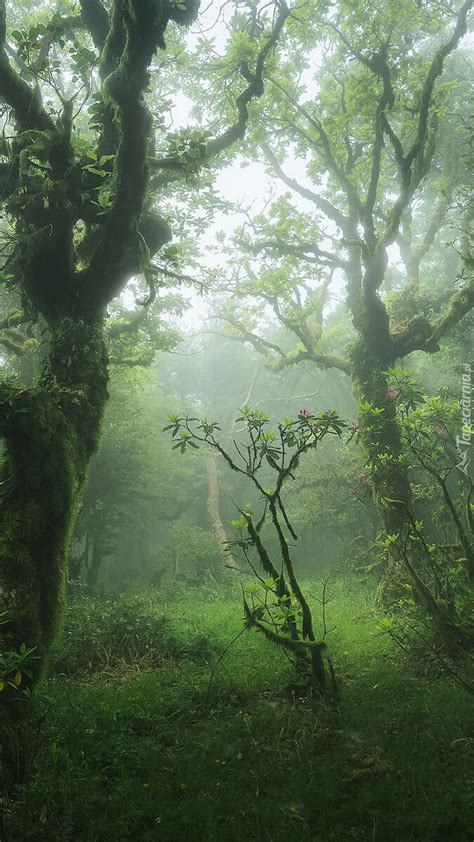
223	653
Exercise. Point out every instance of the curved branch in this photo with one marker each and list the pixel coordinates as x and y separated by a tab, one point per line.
123	325
236	131
141	33
415	164
321	359
304	251
24	101
435	70
96	19
15	342
326	207
423	335
14	319
344	181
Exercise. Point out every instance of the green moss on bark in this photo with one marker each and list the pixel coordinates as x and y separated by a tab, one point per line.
380	436
50	434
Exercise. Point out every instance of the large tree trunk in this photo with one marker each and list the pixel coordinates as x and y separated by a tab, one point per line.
381	439
50	433
371	355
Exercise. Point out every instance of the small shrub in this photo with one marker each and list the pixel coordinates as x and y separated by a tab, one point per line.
100	634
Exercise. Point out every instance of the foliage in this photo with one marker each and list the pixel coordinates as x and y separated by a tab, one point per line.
435	558
275	615
78	185
151	752
125	513
15	672
365	129
158	711
122	633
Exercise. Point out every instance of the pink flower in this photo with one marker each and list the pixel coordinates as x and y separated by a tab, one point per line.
391	392
304	413
365	478
330	413
440	431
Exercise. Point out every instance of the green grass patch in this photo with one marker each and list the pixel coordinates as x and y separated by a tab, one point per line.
147	751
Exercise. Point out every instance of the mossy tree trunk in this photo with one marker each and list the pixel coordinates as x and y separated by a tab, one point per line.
80	233
66	279
50	434
371	355
380	438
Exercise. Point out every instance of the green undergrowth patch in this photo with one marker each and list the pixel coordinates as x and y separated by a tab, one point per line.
106	634
158	753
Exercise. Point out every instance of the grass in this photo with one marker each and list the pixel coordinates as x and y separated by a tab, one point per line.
139	747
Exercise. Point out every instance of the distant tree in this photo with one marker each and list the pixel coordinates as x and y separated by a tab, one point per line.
384	143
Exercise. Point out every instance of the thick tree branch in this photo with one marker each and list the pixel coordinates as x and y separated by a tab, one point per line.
96	19
24	101
422	335
379	66
412	256
437	220
15	342
435	70
296	325
304	251
142	31
275	358
14	319
321	359
236	131
459	305
263	346
117	327
414	165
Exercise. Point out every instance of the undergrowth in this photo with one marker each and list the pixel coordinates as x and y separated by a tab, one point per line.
138	746
106	634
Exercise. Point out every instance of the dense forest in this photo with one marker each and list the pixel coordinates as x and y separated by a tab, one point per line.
236	490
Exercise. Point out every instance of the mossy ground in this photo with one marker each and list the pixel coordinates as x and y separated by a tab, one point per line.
141	749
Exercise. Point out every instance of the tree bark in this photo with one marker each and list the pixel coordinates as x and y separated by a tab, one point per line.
50	433
213	510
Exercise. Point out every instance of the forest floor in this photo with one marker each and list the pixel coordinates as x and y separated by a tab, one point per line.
133	743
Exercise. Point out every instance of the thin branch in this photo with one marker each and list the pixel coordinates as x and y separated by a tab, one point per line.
323	204
331	161
415	164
